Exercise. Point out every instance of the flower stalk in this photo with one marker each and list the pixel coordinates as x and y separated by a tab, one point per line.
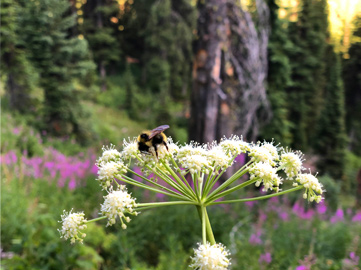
268	166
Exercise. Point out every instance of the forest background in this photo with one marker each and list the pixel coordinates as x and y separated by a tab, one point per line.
77	74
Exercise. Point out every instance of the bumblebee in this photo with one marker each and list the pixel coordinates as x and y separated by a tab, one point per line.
152	138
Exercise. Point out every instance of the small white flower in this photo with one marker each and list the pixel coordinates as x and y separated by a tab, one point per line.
107	172
109	154
234	145
130	149
259	153
218	157
73	223
191	149
195	164
291	163
208	257
266	174
118	204
271	149
312	185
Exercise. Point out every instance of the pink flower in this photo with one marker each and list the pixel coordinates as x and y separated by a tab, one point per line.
265	258
357	217
338	216
302	267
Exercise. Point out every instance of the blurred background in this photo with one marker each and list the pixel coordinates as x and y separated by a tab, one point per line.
77	74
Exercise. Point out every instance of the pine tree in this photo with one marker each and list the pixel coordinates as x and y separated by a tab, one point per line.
21	78
100	29
278	78
59	59
308	34
352	79
331	136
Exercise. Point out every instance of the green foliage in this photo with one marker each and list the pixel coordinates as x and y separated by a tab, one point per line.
21	78
308	35
352	81
59	59
331	126
279	78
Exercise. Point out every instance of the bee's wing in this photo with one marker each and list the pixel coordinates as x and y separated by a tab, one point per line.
157	130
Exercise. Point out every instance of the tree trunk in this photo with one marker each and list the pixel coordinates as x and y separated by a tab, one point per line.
207	70
229	71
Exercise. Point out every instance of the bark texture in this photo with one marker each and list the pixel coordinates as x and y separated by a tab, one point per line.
229	71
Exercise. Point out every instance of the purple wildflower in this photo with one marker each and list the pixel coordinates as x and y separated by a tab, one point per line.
267	258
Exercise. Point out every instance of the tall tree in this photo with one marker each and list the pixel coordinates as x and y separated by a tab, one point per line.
59	59
331	137
21	78
352	79
278	79
309	35
229	70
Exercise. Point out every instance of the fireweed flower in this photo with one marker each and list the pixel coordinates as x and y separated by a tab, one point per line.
72	224
117	204
265	174
107	172
291	163
311	185
210	257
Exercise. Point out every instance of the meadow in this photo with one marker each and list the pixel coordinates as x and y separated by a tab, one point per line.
40	180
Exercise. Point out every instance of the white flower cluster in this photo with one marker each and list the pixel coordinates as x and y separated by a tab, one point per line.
312	185
265	173
108	170
117	204
72	224
109	154
234	145
210	257
291	162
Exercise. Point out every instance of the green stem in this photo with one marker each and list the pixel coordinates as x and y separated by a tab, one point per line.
186	190
152	182
233	178
96	219
184	179
204	226
158	204
224	193
259	198
135	183
209	229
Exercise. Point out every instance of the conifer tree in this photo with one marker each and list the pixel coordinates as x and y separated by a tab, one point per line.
331	137
59	59
20	75
352	79
308	34
278	79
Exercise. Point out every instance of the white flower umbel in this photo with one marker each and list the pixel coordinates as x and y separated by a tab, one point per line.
72	224
107	172
191	149
234	145
258	153
312	185
265	173
218	158
109	154
291	163
272	149
196	164
130	149
117	204
208	257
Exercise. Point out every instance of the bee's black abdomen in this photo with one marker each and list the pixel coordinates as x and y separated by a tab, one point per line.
157	139
143	147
